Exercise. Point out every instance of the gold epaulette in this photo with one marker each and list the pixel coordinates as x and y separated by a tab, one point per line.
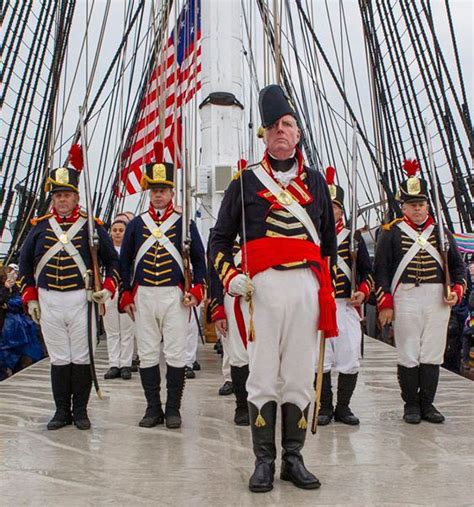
98	221
37	220
387	227
238	173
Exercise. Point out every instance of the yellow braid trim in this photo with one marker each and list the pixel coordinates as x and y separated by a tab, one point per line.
260	421
302	423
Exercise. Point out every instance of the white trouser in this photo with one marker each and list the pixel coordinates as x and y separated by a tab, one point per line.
192	340
120	335
161	317
286	315
226	366
64	325
342	352
232	341
421	323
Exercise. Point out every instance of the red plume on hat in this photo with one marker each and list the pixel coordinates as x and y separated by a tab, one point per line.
411	167
330	174
241	164
75	157
158	151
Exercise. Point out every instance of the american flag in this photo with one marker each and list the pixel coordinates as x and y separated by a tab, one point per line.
172	84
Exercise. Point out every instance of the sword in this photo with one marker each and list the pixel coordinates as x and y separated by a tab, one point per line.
198	325
319	382
92	282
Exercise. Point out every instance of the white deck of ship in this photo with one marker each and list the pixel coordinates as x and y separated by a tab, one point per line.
208	461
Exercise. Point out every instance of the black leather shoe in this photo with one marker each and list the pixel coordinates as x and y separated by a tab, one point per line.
241	416
173	419
111	373
293	470
412	414
189	372
152	417
82	422
226	388
261	480
59	420
345	415
126	373
196	366
324	419
135	365
432	415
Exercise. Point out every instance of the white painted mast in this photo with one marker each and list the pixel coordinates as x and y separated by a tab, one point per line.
221	125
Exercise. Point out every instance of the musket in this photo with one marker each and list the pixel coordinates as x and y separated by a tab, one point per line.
186	231
353	240
92	281
443	239
352	237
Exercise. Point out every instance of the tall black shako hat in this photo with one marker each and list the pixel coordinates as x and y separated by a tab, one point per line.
335	191
273	104
414	188
158	174
66	179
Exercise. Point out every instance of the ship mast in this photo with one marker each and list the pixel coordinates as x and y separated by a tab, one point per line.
221	110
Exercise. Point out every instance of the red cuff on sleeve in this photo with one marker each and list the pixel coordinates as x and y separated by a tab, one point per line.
198	292
458	289
109	284
29	294
386	301
364	287
126	299
218	313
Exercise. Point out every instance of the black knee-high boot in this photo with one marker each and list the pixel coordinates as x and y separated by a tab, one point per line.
345	388
262	423
429	377
293	434
175	378
408	378
239	377
151	380
61	386
81	390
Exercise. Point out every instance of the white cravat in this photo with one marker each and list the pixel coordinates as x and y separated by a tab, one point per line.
286	177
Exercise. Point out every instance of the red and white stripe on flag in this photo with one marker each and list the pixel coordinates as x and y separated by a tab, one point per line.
174	83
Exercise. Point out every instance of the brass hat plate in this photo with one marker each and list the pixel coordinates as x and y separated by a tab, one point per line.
413	186
285	198
332	191
159	172
157	233
62	175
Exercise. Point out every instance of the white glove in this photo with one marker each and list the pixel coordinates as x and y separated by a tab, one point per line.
34	311
241	285
101	296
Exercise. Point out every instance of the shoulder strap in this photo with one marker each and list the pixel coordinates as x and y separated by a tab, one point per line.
341	263
286	200
420	242
157	235
64	242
